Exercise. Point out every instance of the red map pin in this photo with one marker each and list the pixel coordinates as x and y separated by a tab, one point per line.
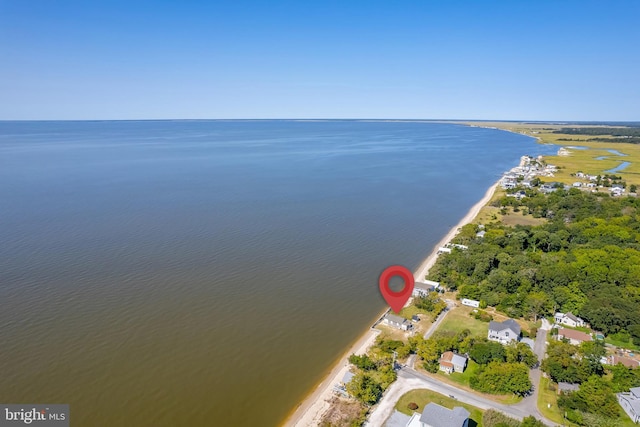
396	300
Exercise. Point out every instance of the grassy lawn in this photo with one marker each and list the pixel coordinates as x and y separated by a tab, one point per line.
546	397
423	397
458	320
390	333
621	344
461	378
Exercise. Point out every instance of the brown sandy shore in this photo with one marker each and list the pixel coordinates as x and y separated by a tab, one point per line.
315	405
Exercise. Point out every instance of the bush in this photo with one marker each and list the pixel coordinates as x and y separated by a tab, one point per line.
492	418
413	406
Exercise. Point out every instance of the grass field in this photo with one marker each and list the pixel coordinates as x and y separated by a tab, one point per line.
423	397
458	320
388	332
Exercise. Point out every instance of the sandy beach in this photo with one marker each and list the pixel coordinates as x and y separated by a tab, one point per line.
314	406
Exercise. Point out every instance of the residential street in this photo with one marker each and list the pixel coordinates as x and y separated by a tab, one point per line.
409	379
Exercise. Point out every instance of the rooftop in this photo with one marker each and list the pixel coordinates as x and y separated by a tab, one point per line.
507	324
442	417
574	335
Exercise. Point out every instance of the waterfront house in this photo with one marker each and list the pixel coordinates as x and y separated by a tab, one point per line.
630	402
422	289
480	234
434	415
574	337
451	362
397	322
504	332
569	319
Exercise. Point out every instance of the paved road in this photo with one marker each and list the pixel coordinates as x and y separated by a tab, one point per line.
409	379
530	403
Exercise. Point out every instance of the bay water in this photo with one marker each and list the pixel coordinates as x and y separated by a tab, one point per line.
200	273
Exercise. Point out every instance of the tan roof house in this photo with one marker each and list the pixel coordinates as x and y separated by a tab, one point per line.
452	362
574	337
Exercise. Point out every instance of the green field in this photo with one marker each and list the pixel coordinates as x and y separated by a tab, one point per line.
423	397
458	320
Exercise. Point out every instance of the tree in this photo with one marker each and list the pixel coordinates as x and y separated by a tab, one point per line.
485	351
594	396
521	352
364	388
537	303
363	362
502	378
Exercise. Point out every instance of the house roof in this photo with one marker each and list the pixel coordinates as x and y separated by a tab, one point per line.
348	376
426	286
631	398
635	391
626	361
442	417
568	386
451	358
507	324
573	317
395	319
574	335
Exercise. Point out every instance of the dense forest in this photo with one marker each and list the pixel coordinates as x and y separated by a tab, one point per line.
620	134
585	259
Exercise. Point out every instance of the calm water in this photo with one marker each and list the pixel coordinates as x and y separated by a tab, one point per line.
206	272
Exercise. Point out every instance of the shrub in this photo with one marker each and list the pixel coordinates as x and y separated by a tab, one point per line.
413	406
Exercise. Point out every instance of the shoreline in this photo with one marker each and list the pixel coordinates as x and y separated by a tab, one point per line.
311	409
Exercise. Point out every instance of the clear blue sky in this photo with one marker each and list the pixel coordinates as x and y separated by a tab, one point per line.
530	60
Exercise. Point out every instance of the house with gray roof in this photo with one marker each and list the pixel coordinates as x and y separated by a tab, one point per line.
630	402
438	416
397	322
422	289
567	387
504	332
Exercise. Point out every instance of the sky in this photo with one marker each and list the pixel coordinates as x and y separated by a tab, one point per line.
490	60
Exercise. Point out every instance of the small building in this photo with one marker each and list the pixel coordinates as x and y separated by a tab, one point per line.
443	250
434	415
504	332
574	337
397	322
564	388
577	184
470	302
451	362
569	319
630	402
480	234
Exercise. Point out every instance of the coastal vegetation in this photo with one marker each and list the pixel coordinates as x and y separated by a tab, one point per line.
496	369
585	259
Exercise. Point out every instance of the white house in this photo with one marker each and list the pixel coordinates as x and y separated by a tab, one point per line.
630	402
397	322
434	415
569	319
470	302
504	332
